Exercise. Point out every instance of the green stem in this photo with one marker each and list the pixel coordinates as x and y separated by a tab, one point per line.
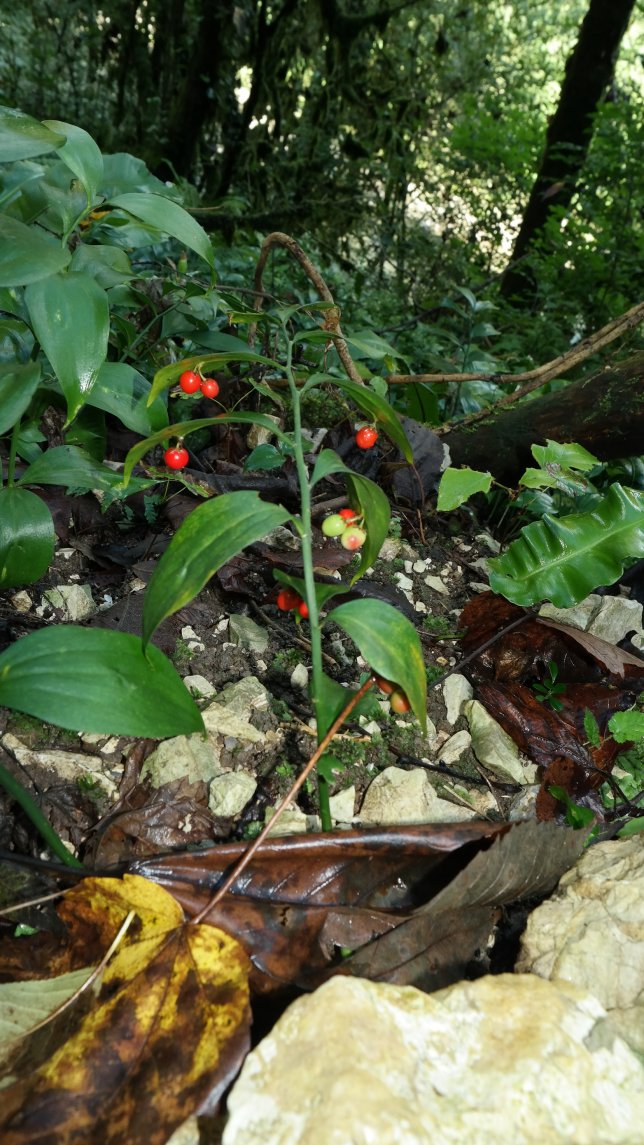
31	808
306	535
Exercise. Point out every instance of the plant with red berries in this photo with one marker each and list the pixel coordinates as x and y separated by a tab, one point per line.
176	457
223	526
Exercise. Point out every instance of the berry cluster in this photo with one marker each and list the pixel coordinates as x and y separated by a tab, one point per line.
397	698
347	525
288	600
191	382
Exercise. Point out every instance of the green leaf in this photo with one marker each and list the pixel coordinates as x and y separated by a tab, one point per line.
27	538
183	428
566	455
69	466
379	411
81	154
211	535
169	375
633	827
367	497
457	485
390	645
170	218
22	137
18	384
332	698
27	254
564	559
625	726
71	319
591	728
538	479
264	457
368	344
109	265
120	390
96	680
329	766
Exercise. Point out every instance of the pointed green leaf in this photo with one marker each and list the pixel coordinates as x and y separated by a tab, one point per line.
390	645
183	428
71	319
96	680
81	154
211	535
367	497
18	384
22	137
332	698
564	559
120	390
169	375
379	411
27	254
70	466
457	485
27	538
566	455
170	218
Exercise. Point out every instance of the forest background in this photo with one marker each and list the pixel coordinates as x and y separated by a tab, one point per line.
402	144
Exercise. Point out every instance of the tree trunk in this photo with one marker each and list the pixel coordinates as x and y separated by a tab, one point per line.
589	72
604	413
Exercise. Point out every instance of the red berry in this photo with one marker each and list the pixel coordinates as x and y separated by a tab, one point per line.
347	514
399	702
353	538
303	609
210	387
288	598
176	458
189	382
366	437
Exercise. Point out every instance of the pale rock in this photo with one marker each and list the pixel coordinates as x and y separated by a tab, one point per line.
479	586
300	677
220	720
609	617
437	585
229	793
222	625
187	1134
579	616
136	584
489	542
62	766
492	746
389	549
420	606
419	566
66	553
404	582
283	539
507	1058
292	821
524	803
260	435
455	747
192	640
246	634
399	796
21	601
591	932
479	800
456	691
75	600
194	757
408	566
371	728
245	696
342	805
199	686
408	553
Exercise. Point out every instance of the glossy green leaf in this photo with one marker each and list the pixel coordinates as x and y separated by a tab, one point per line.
96	680
457	485
27	538
567	455
379	411
22	137
390	645
564	559
211	535
121	390
27	254
183	428
366	497
633	827
264	457
109	265
169	217
332	698
88	433
81	154
71	319
169	375
626	726
70	466
18	384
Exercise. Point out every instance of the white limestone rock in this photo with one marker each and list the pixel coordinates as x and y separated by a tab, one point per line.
399	796
511	1058
229	793
199	686
300	677
492	746
245	696
455	747
246	634
75	600
61	766
342	805
456	691
591	932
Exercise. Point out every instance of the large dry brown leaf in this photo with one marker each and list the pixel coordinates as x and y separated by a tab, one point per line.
167	1035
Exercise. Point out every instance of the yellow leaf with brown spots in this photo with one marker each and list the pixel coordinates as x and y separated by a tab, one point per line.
168	1033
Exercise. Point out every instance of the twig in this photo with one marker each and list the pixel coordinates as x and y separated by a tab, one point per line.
332	321
299	782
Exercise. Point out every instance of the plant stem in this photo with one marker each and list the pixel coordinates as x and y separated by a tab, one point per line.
52	839
309	580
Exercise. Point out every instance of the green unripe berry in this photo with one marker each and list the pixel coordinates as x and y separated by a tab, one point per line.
334	525
353	538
